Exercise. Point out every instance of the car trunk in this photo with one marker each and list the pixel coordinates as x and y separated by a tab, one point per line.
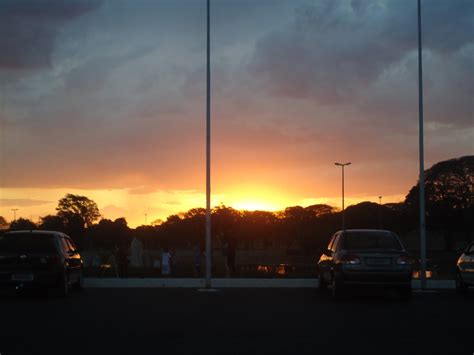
26	251
28	261
378	259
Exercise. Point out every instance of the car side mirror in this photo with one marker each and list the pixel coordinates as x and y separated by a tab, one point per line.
327	252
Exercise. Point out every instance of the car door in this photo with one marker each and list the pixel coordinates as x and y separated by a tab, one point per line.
67	257
326	261
333	259
336	247
74	261
466	265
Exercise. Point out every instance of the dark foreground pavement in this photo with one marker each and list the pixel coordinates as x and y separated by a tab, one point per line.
234	321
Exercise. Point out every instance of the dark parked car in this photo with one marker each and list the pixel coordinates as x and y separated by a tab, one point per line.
39	259
465	269
367	258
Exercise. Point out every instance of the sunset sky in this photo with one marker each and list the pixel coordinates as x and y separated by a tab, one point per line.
107	99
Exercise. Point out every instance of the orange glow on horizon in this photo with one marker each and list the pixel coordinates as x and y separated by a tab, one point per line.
252	197
163	203
250	205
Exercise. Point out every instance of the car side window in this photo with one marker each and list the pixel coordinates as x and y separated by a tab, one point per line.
331	242
70	244
64	245
336	242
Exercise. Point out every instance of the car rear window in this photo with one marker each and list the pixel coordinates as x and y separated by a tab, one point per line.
27	243
370	240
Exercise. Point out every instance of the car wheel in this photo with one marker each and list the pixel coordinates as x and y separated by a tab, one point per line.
323	286
406	293
337	289
63	287
79	285
461	287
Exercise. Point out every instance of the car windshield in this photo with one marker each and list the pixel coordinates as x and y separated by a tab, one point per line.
370	240
27	243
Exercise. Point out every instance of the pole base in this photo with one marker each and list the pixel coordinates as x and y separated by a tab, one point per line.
207	290
425	291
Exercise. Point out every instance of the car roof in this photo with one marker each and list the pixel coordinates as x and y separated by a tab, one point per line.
366	231
35	231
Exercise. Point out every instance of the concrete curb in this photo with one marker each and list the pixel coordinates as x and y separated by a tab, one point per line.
199	283
142	283
230	283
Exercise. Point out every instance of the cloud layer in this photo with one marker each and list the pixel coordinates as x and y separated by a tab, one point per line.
363	53
111	94
28	30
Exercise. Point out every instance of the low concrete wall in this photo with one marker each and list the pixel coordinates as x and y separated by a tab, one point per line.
199	283
229	283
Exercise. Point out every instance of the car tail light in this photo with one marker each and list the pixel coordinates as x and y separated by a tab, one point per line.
350	260
405	260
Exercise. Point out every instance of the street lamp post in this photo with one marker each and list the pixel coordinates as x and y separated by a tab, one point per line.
208	154
421	153
380	212
14	214
342	166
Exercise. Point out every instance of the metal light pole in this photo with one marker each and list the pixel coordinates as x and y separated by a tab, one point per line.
14	214
208	155
145	218
422	162
380	212
342	166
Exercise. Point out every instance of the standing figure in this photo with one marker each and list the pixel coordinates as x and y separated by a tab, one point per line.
225	254
136	253
231	257
166	262
197	260
122	260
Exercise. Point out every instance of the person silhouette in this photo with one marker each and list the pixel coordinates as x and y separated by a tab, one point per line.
122	260
166	262
197	260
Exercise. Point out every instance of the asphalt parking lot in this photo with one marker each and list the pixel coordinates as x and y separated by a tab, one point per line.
235	321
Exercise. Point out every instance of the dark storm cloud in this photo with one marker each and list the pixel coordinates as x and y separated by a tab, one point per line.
122	104
28	29
336	51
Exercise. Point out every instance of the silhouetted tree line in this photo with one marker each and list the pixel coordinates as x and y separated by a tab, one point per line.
449	207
